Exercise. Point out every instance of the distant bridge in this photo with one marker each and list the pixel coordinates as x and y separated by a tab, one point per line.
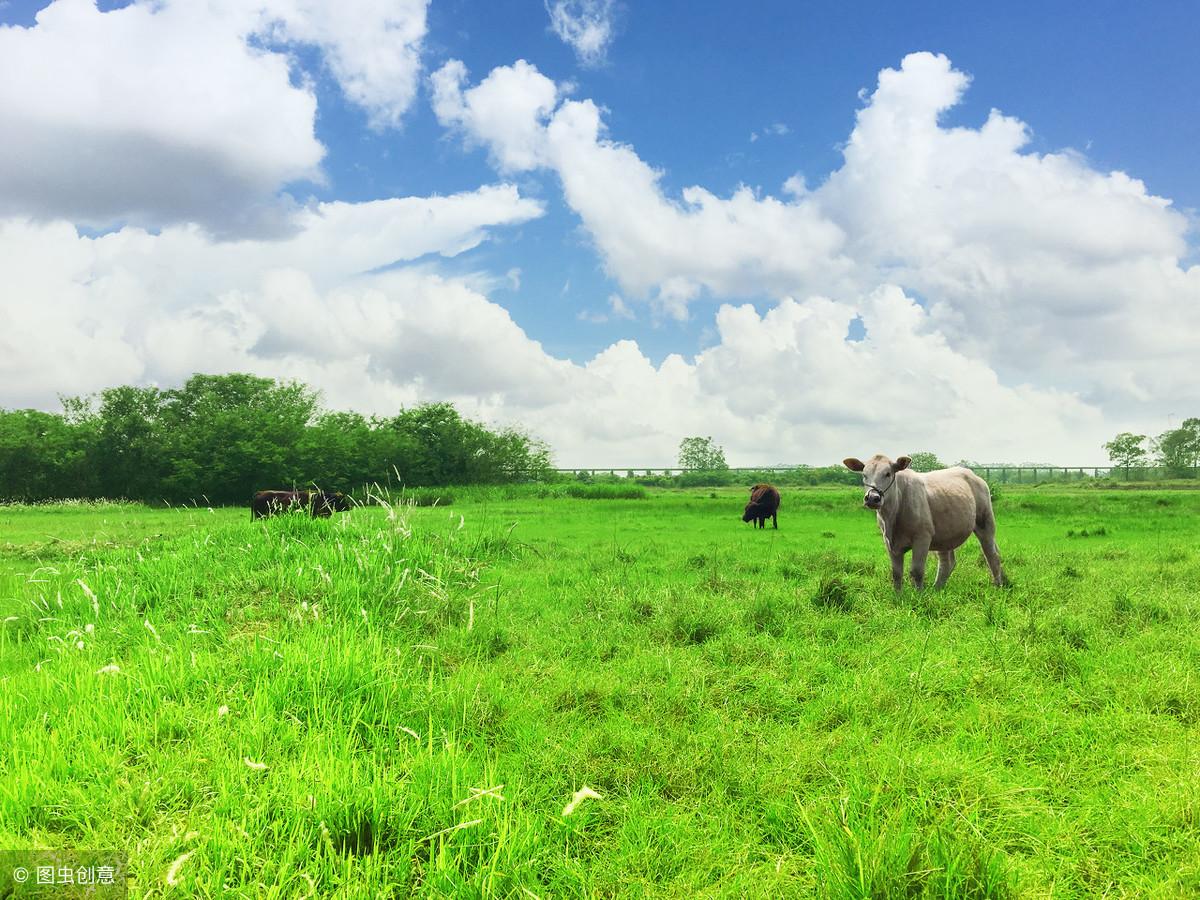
997	473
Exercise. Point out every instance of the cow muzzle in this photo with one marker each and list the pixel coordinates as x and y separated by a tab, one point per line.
873	499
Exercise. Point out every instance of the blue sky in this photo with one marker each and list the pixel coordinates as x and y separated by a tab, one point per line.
578	288
688	84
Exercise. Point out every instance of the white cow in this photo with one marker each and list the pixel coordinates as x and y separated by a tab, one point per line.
932	511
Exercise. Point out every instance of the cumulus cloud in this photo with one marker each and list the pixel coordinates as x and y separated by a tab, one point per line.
372	47
1038	263
504	113
169	112
736	246
84	313
819	399
991	287
652	244
585	25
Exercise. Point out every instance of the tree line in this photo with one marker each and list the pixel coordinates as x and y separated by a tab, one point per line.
1177	449
219	438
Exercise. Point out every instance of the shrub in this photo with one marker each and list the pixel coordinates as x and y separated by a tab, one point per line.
605	491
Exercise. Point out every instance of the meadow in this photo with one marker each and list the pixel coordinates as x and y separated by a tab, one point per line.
408	699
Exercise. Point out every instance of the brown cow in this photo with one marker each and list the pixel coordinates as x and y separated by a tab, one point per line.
322	504
935	511
764	504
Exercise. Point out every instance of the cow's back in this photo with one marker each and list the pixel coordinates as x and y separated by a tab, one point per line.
765	497
268	503
954	504
265	503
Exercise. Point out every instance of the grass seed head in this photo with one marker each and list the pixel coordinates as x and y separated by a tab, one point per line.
584	793
173	871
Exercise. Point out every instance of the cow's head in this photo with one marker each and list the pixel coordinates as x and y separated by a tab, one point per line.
751	512
879	476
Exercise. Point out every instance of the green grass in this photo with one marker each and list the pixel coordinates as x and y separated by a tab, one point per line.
481	494
403	700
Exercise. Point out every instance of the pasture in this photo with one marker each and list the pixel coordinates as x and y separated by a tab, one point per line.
404	701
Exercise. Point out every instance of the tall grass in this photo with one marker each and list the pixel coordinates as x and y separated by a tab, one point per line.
248	684
607	490
407	700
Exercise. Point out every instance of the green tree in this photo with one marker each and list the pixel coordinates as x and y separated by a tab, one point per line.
227	436
126	447
437	446
221	437
924	461
520	457
701	454
1127	449
433	444
1179	449
340	451
41	457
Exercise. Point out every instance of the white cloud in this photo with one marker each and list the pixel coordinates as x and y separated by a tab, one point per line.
775	129
736	246
652	244
147	114
505	112
132	307
585	25
372	47
1037	263
169	112
784	385
1033	270
619	308
80	313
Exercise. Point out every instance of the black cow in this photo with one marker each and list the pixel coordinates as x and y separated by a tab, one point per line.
763	505
318	503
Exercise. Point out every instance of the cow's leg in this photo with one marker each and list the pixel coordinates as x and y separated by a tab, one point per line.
987	540
945	567
897	570
920	550
775	520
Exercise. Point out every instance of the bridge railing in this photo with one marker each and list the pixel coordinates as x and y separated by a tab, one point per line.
1000	474
668	471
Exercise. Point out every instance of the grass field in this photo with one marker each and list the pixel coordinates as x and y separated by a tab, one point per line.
404	701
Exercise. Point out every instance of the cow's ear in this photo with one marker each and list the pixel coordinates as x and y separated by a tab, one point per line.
856	465
902	463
